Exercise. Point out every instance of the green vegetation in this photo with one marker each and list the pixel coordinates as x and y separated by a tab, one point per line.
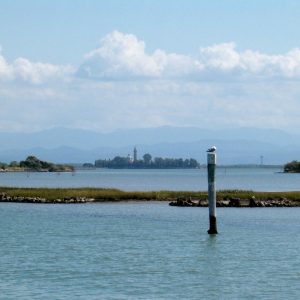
102	195
88	165
147	163
292	167
95	193
34	164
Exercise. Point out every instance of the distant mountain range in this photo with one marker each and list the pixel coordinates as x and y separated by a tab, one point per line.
235	146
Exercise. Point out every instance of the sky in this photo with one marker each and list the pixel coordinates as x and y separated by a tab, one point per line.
110	65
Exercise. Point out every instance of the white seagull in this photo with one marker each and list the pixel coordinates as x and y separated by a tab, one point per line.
212	149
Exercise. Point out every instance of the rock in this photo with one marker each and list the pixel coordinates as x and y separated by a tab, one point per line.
184	202
3	196
223	203
244	203
234	202
253	202
203	203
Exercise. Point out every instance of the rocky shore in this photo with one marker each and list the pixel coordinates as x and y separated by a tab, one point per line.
237	202
66	200
176	201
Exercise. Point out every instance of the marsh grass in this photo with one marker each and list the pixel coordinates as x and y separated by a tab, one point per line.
98	194
118	195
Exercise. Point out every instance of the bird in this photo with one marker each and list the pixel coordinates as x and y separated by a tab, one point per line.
212	149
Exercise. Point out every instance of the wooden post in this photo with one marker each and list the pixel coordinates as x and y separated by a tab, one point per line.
211	170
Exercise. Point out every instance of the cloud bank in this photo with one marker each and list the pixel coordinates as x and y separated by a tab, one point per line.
123	56
32	72
122	85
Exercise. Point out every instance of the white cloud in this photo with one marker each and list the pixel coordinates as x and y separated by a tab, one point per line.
220	83
36	73
123	55
39	72
221	56
225	57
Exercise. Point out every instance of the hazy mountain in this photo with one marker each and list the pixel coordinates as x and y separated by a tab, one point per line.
241	145
84	139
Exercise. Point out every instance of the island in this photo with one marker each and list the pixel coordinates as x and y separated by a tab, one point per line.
292	167
147	162
33	164
225	198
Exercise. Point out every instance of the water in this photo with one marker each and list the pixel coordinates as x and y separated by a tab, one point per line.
257	179
147	251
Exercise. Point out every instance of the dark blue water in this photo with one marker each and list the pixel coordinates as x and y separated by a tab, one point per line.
147	251
257	179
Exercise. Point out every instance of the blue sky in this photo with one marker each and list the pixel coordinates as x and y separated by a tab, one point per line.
63	31
106	65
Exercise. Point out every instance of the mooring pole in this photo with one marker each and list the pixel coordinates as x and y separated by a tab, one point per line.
211	170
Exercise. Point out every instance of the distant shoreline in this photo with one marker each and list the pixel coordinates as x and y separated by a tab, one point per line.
33	164
34	171
77	167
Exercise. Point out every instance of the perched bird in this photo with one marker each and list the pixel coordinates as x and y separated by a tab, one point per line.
212	149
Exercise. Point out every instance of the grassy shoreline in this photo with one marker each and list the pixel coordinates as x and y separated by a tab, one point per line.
51	195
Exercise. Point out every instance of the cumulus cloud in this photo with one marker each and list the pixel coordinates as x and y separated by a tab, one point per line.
122	56
221	56
225	57
132	87
36	73
39	72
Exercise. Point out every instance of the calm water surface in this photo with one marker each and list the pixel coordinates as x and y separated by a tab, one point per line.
147	251
258	179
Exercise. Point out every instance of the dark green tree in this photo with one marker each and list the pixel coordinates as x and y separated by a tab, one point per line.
32	163
292	167
14	164
147	158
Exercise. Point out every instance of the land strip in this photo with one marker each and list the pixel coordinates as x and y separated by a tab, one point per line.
226	198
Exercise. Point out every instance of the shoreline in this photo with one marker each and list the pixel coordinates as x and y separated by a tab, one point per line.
34	171
226	198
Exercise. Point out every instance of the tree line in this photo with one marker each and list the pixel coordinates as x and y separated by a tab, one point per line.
32	163
292	167
147	162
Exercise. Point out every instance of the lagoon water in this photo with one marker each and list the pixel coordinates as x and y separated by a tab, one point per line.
257	179
147	251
